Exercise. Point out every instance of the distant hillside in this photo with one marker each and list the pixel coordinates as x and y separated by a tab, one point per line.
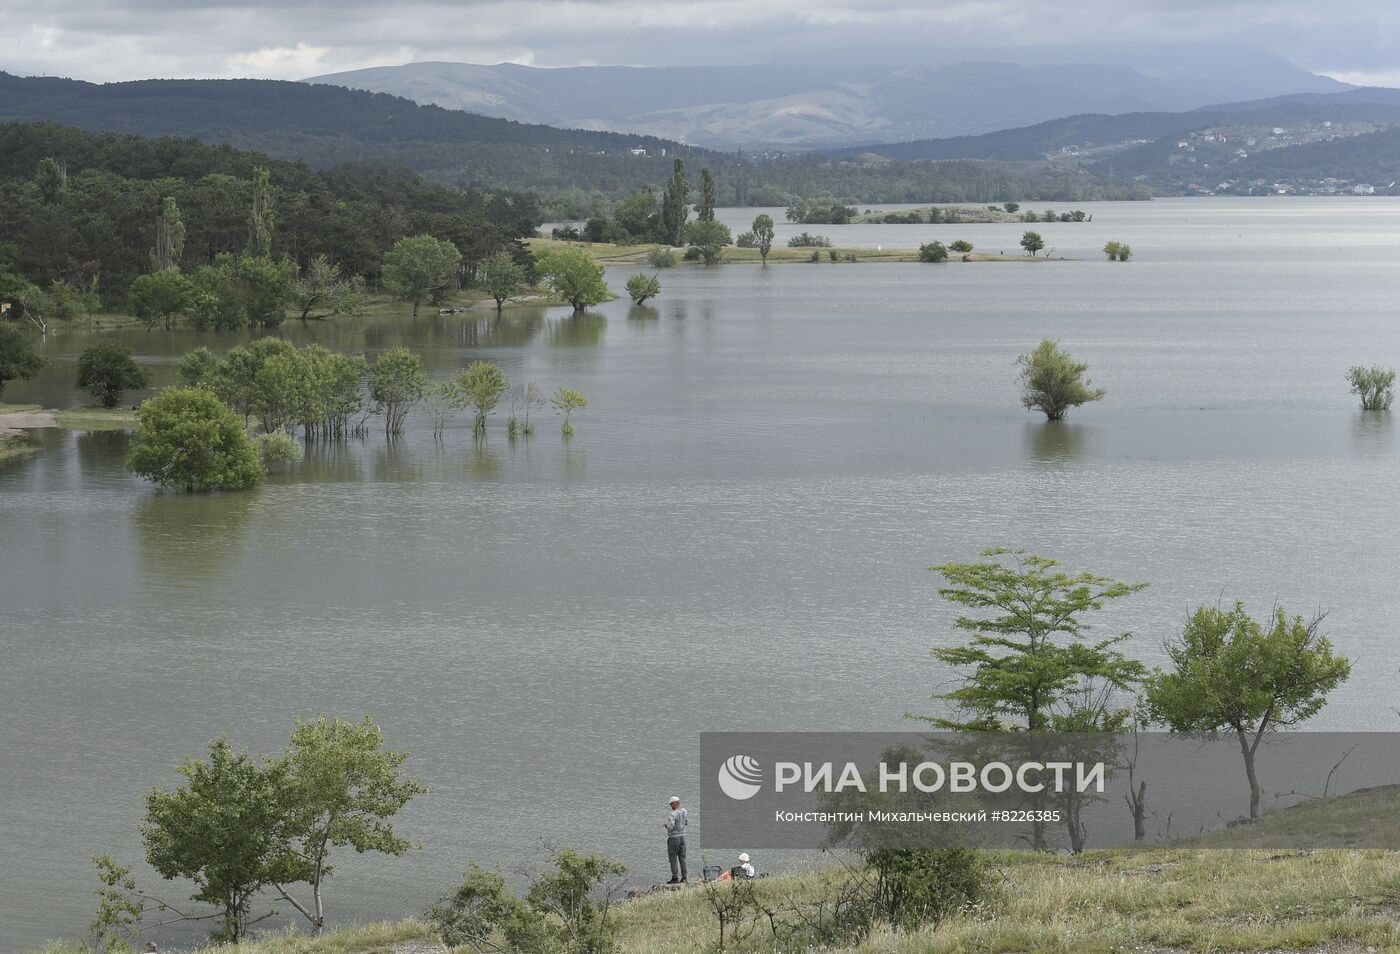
325	126
801	106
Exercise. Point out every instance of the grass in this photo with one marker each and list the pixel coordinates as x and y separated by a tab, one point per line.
15	446
967	214
607	253
96	418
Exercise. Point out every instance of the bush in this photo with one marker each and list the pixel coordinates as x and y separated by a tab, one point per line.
933	252
18	359
106	370
808	240
918	886
661	258
1375	385
1117	251
641	287
961	245
746	240
187	437
277	448
1054	382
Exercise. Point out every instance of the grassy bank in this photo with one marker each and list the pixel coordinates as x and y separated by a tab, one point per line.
1330	900
609	254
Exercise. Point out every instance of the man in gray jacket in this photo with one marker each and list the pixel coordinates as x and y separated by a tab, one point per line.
675	825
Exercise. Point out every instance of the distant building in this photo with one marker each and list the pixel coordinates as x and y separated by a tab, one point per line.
638	151
1363	189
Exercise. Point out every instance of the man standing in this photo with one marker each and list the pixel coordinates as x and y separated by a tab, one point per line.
675	825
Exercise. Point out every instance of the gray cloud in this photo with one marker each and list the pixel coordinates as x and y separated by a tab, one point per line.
107	40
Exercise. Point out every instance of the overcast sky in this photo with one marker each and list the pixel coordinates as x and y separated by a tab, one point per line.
1358	41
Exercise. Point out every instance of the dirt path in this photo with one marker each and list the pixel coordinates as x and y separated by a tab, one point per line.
15	421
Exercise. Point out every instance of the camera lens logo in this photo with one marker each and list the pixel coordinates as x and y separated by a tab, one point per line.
740	777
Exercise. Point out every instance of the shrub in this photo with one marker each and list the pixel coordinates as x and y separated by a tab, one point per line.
661	257
961	245
746	240
106	370
641	287
187	437
277	448
808	240
933	252
1117	251
18	359
1375	385
692	254
1054	382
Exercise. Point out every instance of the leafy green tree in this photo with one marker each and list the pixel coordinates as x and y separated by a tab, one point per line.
933	252
341	788
573	275
481	386
1029	657
961	245
321	292
1117	251
266	288
1230	673
158	299
170	236
217	302
186	437
396	383
106	370
674	206
1032	242
568	400
276	448
705	209
502	277
1011	207
763	234
70	302
1053	382
1375	385
710	237
220	831
637	216
641	287
260	217
421	267
18	359
52	180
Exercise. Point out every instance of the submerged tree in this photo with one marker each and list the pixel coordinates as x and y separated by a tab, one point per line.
481	386
106	370
502	277
321	292
574	276
568	400
1375	386
1231	674
1053	382
642	287
396	383
419	268
763	235
187	437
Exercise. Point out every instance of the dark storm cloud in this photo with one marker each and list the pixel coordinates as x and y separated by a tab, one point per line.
137	38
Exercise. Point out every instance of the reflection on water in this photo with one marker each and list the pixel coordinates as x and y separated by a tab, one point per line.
644	313
483	463
583	329
1373	433
189	538
1055	441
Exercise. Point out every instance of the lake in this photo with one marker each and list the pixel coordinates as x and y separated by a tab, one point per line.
737	536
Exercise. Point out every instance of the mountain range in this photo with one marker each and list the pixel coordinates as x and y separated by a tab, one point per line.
835	104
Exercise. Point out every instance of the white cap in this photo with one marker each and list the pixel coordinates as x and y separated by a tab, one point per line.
744	857
673	799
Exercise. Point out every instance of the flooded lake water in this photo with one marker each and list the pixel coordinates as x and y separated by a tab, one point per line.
737	537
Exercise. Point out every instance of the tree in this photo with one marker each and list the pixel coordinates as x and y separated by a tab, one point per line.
322	292
52	180
340	788
1375	385
961	245
396	383
502	277
710	237
763	235
1230	673
933	252
1011	207
106	370
220	831
1053	382
265	286
1032	242
674	206
568	401
636	216
1117	251
641	287
481	386
187	437
170	236
18	359
1031	656
573	275
158	299
705	209
260	219
421	267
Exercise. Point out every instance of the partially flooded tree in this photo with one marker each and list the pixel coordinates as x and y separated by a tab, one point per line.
396	383
1053	382
1231	673
420	268
502	277
568	400
763	235
641	287
1375	386
322	292
481	386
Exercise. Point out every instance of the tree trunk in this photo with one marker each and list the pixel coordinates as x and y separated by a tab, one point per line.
1247	751
1140	813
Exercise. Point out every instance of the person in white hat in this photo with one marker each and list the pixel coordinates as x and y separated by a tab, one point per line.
675	825
744	869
